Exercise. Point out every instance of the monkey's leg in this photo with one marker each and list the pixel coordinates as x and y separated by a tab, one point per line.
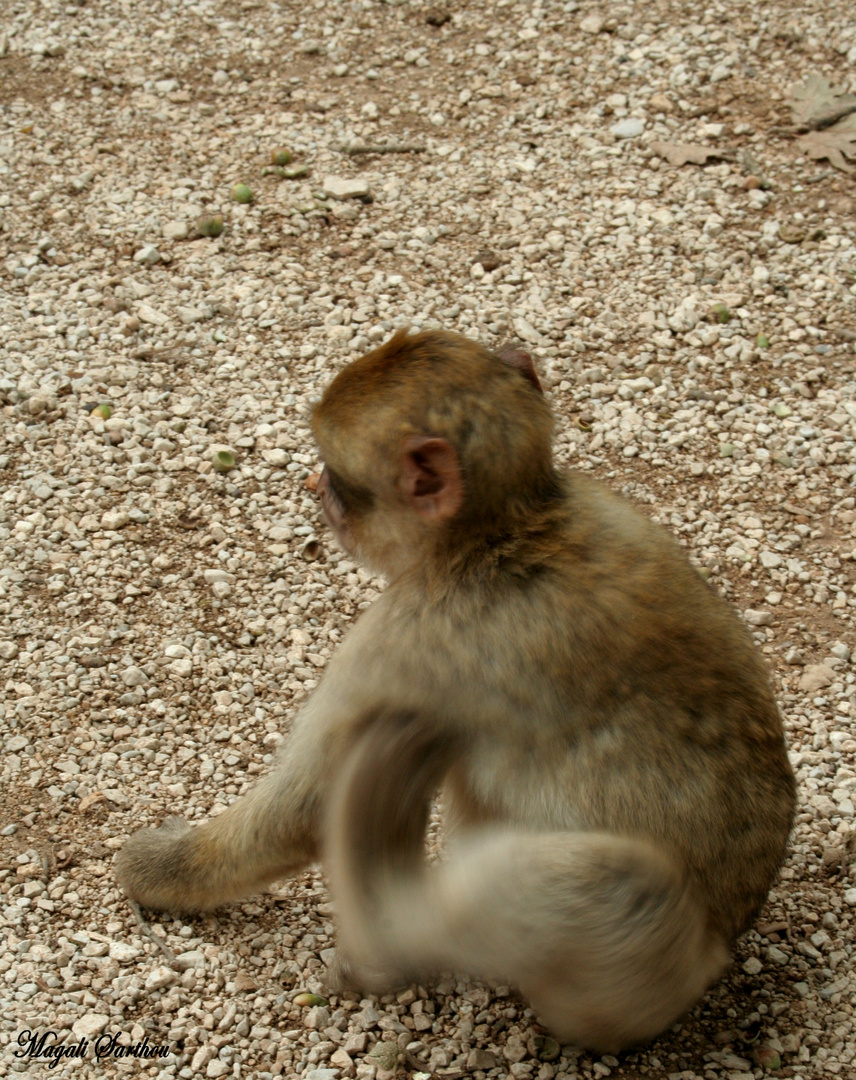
602	934
269	833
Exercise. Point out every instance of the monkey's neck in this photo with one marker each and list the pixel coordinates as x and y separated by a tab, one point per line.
477	553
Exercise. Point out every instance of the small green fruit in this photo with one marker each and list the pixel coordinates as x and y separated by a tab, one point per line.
767	1058
210	225
242	194
103	410
762	341
280	157
310	999
546	1048
385	1054
223	460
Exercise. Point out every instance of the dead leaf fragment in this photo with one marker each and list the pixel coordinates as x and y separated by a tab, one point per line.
816	103
438	17
687	153
837	144
489	260
88	801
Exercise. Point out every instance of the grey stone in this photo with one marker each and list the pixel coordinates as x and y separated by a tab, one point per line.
340	187
628	128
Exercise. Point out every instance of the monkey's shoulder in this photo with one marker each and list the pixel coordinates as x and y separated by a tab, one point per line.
607	555
610	521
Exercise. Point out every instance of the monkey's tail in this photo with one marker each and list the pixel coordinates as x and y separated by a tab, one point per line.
376	827
604	934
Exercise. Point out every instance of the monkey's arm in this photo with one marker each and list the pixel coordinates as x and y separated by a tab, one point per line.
274	830
269	833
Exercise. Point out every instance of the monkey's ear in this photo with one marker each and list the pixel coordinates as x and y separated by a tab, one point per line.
430	477
518	358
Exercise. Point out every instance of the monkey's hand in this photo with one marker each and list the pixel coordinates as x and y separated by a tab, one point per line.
153	867
258	838
343	977
340	976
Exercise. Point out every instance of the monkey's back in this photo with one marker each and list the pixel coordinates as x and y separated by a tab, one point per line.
601	651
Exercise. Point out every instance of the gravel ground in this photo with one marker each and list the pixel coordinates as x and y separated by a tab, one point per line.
160	620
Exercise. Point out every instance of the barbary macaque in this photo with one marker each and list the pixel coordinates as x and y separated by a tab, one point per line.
611	760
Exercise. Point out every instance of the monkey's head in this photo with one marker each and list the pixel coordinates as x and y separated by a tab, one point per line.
430	443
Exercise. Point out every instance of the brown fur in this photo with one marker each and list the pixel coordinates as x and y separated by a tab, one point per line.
602	727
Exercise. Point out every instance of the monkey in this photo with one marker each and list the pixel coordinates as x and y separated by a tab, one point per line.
611	758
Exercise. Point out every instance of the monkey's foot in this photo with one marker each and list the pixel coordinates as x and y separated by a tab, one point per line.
343	976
